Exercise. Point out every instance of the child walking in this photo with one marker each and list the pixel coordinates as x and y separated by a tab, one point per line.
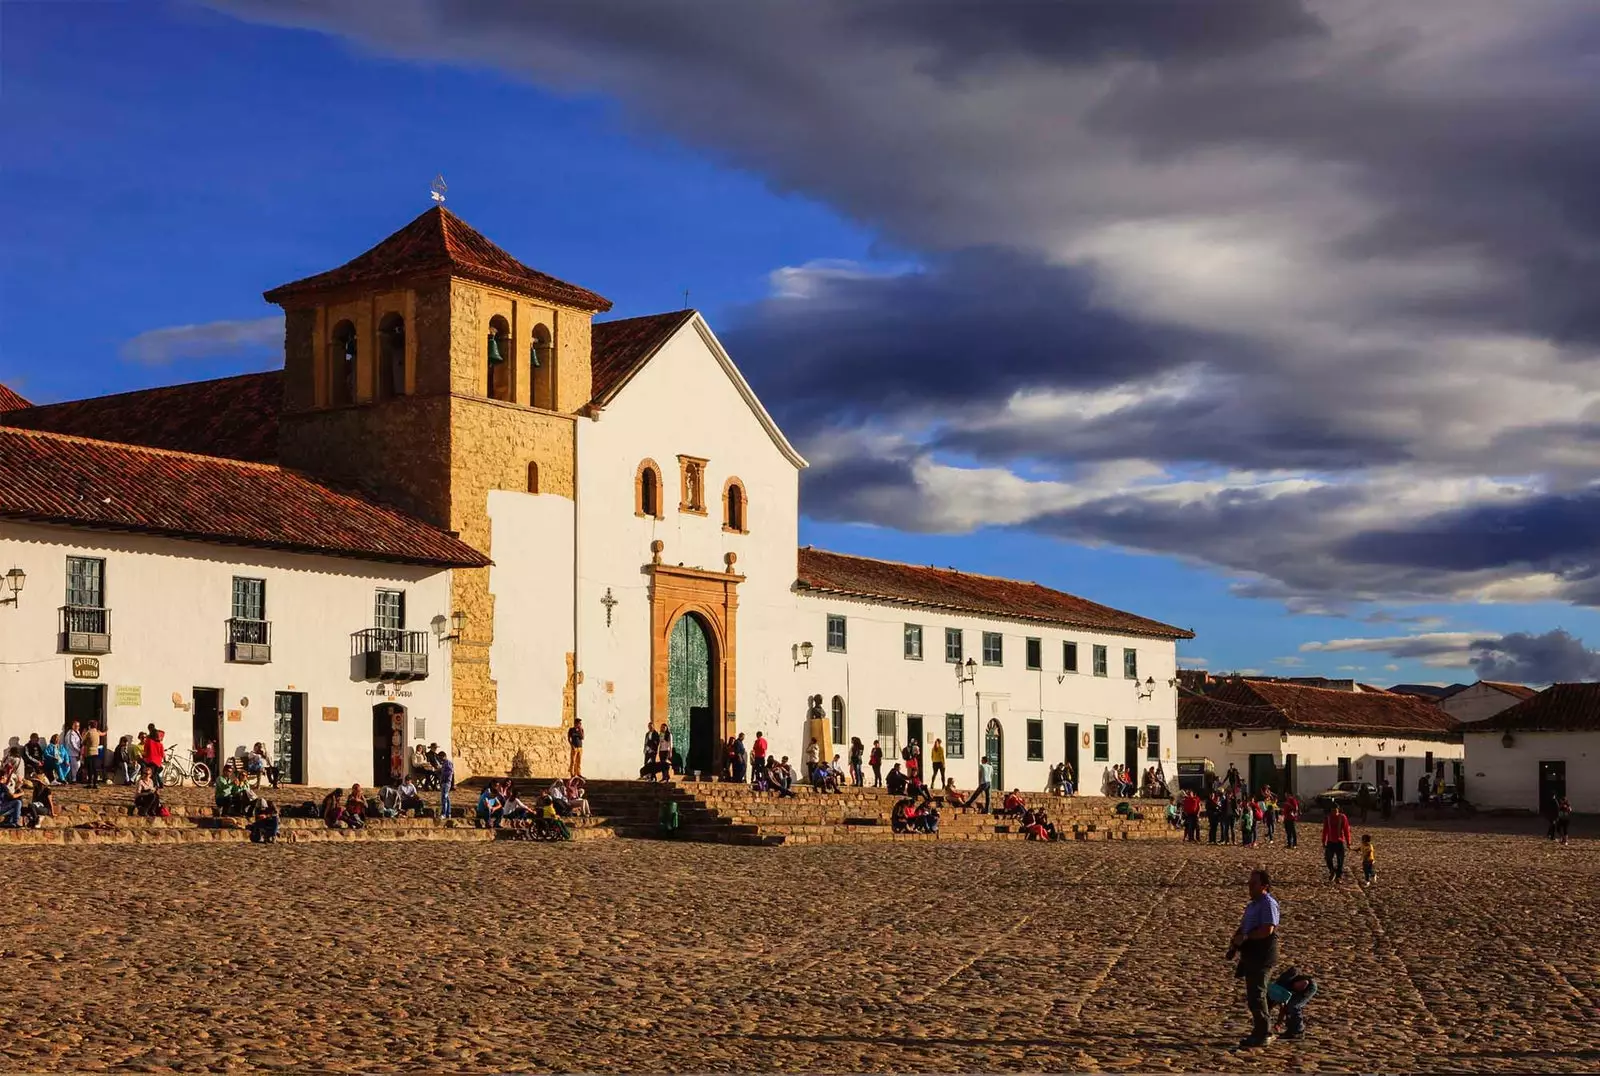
1369	859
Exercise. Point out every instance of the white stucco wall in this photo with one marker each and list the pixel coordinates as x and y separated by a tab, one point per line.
1508	777
1317	756
682	402
531	581
874	674
1477	702
169	602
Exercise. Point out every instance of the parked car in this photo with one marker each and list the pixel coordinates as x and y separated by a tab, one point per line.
1347	793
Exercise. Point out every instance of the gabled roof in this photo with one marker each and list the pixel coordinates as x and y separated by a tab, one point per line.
1424	691
10	399
821	572
1558	708
619	349
232	417
1519	691
440	242
1259	704
51	478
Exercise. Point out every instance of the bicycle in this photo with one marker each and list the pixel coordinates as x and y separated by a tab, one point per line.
180	768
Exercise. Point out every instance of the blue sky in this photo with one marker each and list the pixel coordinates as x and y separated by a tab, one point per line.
167	162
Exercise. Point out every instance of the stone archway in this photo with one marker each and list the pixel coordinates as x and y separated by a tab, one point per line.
703	606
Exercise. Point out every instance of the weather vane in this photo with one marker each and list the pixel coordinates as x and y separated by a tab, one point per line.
438	189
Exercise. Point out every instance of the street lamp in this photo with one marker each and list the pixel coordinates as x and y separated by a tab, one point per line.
801	653
1148	688
457	625
15	579
966	674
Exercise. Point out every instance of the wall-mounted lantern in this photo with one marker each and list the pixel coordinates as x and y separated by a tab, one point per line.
801	653
15	579
451	630
966	674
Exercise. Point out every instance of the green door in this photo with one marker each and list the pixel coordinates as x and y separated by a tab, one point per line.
994	747
688	680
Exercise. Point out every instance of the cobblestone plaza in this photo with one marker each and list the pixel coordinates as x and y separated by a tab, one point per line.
1474	953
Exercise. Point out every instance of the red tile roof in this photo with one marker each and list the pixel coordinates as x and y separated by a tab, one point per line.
963	592
10	399
1558	708
1521	691
619	349
440	242
51	478
232	417
1258	704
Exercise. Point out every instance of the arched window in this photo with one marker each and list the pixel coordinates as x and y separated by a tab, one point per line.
342	365
541	368
391	356
647	490
733	507
838	721
499	359
533	477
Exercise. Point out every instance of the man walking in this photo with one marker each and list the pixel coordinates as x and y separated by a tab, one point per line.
1255	943
91	755
447	783
575	743
985	777
1291	819
1335	840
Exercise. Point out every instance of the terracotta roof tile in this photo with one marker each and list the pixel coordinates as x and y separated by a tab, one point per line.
231	417
620	348
1558	708
51	478
964	592
1258	704
1521	691
10	399
440	242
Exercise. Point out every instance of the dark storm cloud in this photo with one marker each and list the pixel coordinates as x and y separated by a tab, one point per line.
1356	244
1522	658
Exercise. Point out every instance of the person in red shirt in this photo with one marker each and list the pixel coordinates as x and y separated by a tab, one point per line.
155	753
1335	840
1291	816
758	755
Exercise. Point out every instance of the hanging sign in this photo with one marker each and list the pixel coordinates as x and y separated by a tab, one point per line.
86	668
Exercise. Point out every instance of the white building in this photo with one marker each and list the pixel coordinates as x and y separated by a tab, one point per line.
1483	699
223	602
1303	739
1543	747
612	517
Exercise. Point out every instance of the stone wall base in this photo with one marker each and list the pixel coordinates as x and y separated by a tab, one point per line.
514	750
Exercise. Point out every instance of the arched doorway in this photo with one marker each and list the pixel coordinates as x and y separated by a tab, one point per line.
994	748
388	742
691	704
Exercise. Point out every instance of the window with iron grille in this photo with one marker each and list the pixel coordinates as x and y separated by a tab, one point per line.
1102	743
1035	654
249	598
953	648
1035	740
913	642
1069	657
86	582
836	636
955	736
389	610
888	721
1099	661
993	648
1130	663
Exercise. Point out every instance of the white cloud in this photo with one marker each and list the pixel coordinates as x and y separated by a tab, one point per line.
213	339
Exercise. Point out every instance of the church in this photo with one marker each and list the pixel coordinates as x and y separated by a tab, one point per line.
465	512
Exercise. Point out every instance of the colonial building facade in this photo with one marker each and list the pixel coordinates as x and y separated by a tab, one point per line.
591	519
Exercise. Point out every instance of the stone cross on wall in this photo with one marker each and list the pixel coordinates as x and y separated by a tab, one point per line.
610	603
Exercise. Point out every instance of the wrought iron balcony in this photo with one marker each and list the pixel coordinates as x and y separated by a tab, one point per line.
85	629
249	641
390	654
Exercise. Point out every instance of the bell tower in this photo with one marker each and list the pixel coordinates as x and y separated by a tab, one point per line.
429	372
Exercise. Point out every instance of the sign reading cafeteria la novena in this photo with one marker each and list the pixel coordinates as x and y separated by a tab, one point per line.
86	668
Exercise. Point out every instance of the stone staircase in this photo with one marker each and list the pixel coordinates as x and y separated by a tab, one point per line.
727	813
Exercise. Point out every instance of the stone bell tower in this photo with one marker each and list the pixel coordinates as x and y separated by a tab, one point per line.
427	372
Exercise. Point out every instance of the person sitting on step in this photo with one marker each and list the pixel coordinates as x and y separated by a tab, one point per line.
410	797
1013	805
781	775
954	798
264	827
895	783
490	809
146	797
355	808
332	809
233	795
549	824
513	811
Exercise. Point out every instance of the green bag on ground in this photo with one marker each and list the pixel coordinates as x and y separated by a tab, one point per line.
669	818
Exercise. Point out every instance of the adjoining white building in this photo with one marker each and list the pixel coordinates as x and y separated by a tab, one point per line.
1483	699
1545	746
600	518
1303	739
223	602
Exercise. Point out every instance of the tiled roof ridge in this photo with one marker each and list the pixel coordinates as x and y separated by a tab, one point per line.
200	457
1511	687
276	371
935	568
12	400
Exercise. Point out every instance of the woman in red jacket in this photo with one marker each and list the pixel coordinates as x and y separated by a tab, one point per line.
1335	839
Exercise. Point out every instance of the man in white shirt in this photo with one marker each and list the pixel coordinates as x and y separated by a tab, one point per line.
985	778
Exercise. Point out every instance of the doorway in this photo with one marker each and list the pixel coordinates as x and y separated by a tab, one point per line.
1072	752
914	734
206	727
994	748
689	680
86	703
1263	774
388	742
1552	784
289	736
1130	740
1290	785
